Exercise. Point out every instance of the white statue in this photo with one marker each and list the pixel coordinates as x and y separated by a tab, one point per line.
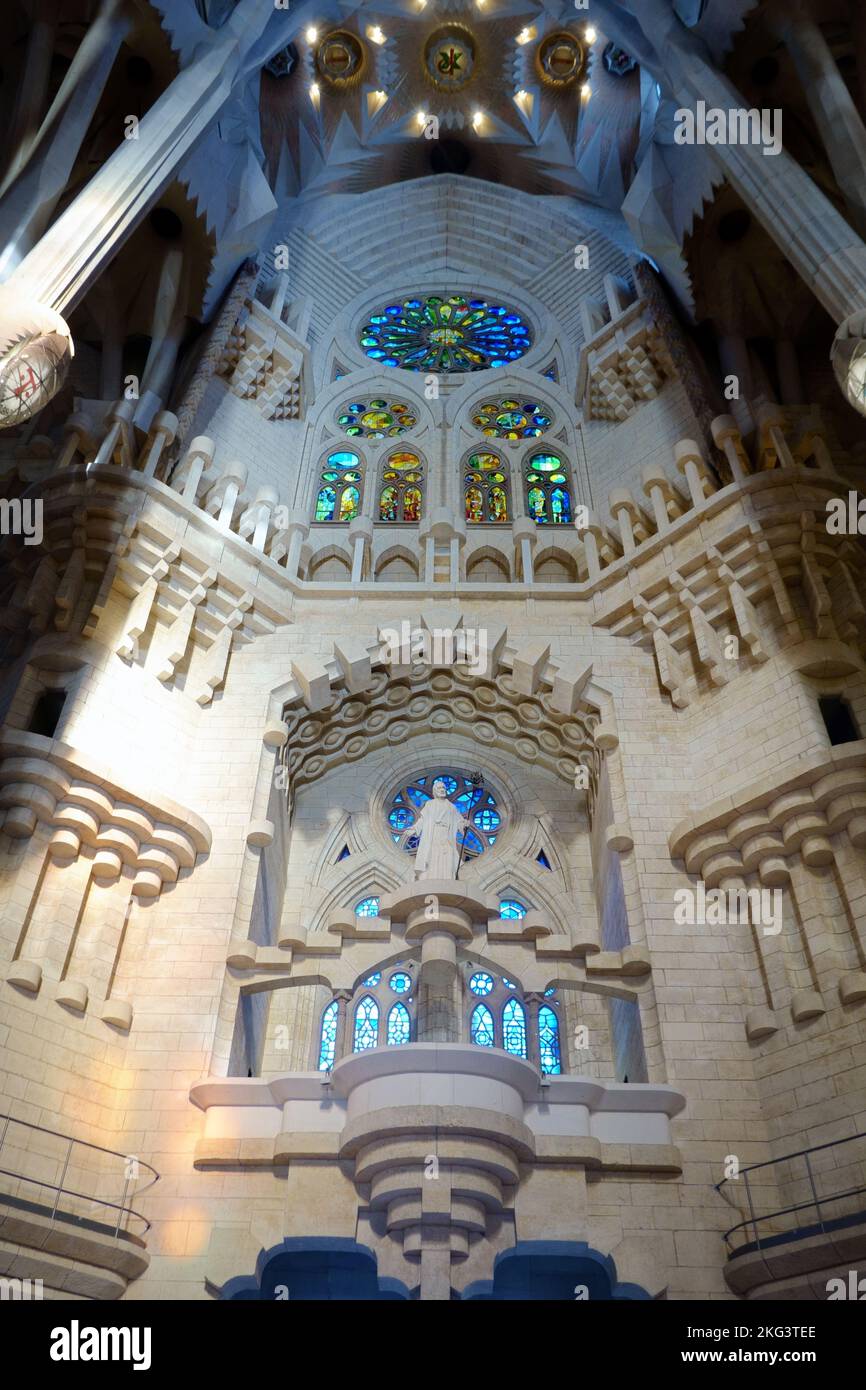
437	827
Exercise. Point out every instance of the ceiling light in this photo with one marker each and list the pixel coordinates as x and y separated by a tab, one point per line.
312	34
375	35
585	89
421	117
526	34
590	34
314	91
477	118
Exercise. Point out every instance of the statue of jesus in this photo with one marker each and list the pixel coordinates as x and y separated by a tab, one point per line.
437	827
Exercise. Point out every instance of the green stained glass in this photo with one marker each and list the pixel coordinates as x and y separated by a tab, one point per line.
436	334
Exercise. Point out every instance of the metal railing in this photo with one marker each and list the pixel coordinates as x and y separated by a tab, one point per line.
66	1161
830	1209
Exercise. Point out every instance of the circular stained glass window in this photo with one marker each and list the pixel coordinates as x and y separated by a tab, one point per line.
481	984
476	802
512	419
400	982
377	419
445	334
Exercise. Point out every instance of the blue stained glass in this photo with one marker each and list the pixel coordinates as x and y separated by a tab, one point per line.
398	1026
450	334
510	907
462	792
368	907
548	1041
481	1026
549	993
514	1028
366	1023
509	984
328	1044
481	983
372	980
401	983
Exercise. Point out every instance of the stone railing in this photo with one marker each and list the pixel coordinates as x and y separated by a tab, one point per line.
784	440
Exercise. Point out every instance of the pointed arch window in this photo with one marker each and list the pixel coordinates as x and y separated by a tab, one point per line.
398	1025
511	907
548	490
366	1024
514	1028
402	494
548	1041
485	480
367	907
481	1026
328	1038
340	487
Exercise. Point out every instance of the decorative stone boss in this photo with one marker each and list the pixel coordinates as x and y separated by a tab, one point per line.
437	828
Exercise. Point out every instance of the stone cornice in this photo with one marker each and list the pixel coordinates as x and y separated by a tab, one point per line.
770	819
47	781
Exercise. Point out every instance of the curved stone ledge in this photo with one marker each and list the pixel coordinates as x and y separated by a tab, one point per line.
45	780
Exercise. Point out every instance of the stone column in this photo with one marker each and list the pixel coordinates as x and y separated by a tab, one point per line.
41	171
72	254
533	1002
33	87
343	1042
829	100
820	244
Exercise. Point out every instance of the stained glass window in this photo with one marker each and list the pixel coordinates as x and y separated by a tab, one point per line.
398	1025
477	803
509	984
400	982
339	494
367	907
402	482
486	488
366	1024
510	907
548	495
512	419
445	334
328	1042
481	983
377	419
514	1028
548	1041
372	980
481	1026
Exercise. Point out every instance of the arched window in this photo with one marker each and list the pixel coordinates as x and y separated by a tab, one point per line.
548	495
366	1024
398	1025
514	1028
328	1040
486	489
377	419
481	1026
510	907
548	1041
367	907
340	482
512	419
402	491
